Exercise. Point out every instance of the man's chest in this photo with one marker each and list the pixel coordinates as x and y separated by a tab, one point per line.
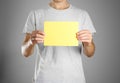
66	17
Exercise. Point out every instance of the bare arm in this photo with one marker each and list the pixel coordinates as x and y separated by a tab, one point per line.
85	36
89	48
30	41
27	47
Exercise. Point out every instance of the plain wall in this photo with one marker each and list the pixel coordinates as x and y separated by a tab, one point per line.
102	68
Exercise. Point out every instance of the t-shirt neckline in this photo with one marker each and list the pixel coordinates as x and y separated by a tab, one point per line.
57	10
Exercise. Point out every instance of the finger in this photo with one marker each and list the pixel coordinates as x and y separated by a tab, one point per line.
84	38
38	39
84	32
84	35
37	32
41	32
81	33
39	36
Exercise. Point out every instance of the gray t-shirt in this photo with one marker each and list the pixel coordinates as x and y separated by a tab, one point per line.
58	64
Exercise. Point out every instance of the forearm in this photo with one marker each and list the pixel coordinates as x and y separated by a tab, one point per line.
27	48
89	49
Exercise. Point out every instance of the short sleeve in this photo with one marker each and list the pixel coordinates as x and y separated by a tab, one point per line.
30	23
88	24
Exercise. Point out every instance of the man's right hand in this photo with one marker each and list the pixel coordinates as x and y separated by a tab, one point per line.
37	36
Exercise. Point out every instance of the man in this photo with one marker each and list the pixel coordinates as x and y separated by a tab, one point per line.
58	64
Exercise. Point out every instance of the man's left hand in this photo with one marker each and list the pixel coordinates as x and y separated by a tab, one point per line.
84	36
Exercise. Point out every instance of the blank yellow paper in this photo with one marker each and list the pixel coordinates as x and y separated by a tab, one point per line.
60	33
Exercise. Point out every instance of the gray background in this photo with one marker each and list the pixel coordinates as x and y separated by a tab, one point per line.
102	68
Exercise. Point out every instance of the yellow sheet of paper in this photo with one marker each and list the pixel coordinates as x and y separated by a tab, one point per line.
60	33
